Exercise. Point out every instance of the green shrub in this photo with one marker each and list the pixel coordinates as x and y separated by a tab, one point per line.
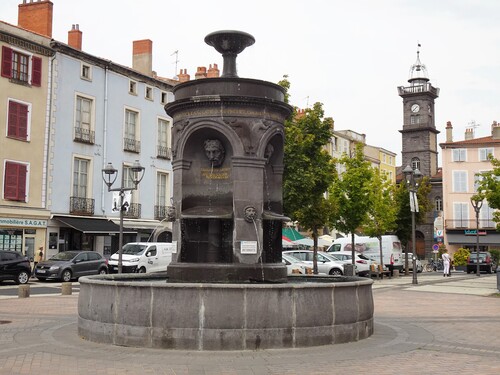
495	254
460	257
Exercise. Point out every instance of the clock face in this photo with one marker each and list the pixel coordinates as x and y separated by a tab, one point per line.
415	108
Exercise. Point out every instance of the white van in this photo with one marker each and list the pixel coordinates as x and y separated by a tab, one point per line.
142	257
392	253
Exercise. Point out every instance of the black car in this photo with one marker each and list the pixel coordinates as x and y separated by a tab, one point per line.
71	264
14	266
486	262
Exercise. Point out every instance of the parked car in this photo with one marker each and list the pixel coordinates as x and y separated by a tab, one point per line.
326	264
486	262
362	262
295	266
420	266
14	266
143	257
71	264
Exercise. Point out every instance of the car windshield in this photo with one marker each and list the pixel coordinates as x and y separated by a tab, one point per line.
65	255
290	258
133	249
481	255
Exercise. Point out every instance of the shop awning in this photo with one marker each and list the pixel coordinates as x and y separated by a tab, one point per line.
90	225
144	224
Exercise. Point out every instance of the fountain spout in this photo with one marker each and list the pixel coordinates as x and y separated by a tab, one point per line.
229	43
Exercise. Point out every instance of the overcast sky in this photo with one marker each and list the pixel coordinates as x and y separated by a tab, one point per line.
350	55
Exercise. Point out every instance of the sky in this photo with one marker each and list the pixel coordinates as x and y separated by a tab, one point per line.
349	55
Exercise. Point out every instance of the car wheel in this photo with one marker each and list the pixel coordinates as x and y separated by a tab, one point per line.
142	270
22	277
66	275
335	272
103	271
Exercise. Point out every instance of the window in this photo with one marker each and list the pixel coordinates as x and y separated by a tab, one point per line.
163	139
80	177
414	119
161	189
486	216
459	154
149	93
415	163
438	204
86	72
484	153
461	215
132	87
15	181
459	181
164	98
83	120
16	66
18	120
130	134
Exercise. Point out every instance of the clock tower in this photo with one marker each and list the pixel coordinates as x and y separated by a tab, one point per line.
419	130
420	150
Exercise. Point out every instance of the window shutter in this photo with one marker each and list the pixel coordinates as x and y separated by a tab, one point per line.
18	120
6	62
15	181
36	72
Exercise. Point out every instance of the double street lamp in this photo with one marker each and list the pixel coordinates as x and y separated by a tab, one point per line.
477	203
412	180
109	175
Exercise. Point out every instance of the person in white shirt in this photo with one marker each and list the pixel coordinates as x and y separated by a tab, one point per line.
446	263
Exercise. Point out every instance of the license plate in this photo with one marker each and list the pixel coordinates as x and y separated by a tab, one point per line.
40	271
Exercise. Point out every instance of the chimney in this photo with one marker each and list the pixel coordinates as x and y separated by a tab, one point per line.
495	130
449	132
201	72
469	133
75	37
36	16
183	76
142	59
213	72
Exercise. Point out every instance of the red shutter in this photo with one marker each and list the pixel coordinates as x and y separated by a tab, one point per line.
6	62
36	71
18	120
15	181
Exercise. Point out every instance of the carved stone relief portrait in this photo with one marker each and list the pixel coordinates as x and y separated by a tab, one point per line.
215	152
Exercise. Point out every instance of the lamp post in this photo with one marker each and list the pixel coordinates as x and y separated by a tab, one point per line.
477	203
109	175
412	180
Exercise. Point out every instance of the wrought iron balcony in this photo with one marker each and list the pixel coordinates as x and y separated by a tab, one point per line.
164	152
84	135
161	212
134	211
131	145
470	224
81	206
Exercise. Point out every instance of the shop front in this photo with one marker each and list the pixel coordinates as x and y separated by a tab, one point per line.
23	234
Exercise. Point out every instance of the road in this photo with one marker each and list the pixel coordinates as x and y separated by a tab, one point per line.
9	289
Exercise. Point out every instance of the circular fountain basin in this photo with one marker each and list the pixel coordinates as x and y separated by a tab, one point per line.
148	311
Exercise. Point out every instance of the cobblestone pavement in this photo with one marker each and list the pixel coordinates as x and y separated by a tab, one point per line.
440	326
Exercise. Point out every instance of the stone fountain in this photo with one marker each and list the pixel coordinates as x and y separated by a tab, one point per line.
226	287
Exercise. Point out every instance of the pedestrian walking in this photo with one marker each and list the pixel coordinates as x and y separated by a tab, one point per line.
446	263
38	258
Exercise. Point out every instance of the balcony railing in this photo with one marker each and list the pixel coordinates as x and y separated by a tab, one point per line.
470	224
81	206
84	135
164	152
131	145
134	211
161	212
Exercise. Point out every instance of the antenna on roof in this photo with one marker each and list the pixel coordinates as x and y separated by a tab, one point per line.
472	124
176	53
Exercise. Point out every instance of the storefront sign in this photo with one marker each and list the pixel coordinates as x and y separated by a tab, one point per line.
472	232
12	222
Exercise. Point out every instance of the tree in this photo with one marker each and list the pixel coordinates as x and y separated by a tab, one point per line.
489	188
382	210
309	169
351	194
403	213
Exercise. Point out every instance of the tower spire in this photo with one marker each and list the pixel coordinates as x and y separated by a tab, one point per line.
418	71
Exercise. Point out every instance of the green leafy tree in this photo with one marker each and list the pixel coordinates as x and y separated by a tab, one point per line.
351	195
460	257
489	188
403	213
382	210
309	170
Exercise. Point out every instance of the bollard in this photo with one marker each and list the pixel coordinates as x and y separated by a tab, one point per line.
24	291
395	273
498	278
66	289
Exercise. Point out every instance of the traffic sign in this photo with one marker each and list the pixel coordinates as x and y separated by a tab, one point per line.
435	247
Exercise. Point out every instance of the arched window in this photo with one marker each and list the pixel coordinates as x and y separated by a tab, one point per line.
415	163
438	204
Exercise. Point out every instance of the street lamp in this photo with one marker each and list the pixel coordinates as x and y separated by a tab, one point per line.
477	203
109	175
412	180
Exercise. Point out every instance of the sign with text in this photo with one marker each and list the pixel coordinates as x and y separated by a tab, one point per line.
249	247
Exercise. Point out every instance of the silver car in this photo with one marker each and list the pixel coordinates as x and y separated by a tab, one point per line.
69	265
326	263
